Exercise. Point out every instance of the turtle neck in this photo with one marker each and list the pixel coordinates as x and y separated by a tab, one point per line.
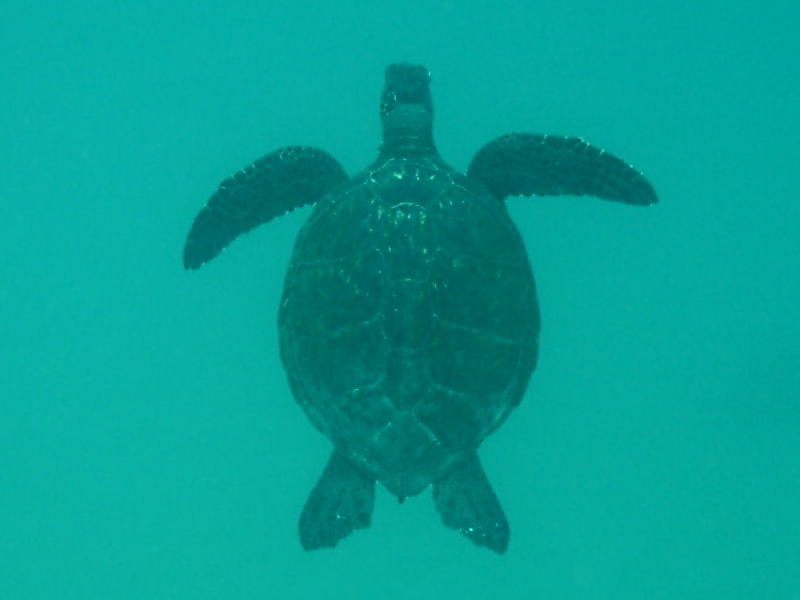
407	131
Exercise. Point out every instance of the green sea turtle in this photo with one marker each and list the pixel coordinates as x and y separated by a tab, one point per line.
409	323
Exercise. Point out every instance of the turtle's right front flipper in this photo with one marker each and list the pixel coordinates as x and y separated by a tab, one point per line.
521	164
273	185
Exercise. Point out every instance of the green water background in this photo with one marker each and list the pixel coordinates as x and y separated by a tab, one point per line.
149	445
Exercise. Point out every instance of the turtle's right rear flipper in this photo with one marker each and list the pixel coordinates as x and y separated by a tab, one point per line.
466	502
341	502
273	185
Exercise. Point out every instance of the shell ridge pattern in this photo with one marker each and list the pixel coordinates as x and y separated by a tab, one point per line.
489	335
320	214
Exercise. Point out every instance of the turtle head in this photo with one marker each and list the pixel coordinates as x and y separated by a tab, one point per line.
407	109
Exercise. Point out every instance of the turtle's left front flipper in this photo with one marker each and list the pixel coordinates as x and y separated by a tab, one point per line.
521	164
273	185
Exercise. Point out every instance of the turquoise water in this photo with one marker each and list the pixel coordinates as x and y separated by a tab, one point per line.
149	445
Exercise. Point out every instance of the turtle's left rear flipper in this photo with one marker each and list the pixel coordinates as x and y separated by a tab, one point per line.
273	185
466	502
341	502
521	164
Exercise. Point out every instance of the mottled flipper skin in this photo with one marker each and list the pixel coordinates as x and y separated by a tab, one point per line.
273	185
340	503
521	164
466	502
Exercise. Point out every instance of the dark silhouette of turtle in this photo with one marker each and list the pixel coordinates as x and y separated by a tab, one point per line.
409	324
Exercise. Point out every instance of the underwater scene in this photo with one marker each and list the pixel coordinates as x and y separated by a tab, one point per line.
399	300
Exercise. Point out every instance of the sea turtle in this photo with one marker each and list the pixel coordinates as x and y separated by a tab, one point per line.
409	323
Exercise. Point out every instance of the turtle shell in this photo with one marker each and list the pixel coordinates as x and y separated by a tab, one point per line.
409	324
